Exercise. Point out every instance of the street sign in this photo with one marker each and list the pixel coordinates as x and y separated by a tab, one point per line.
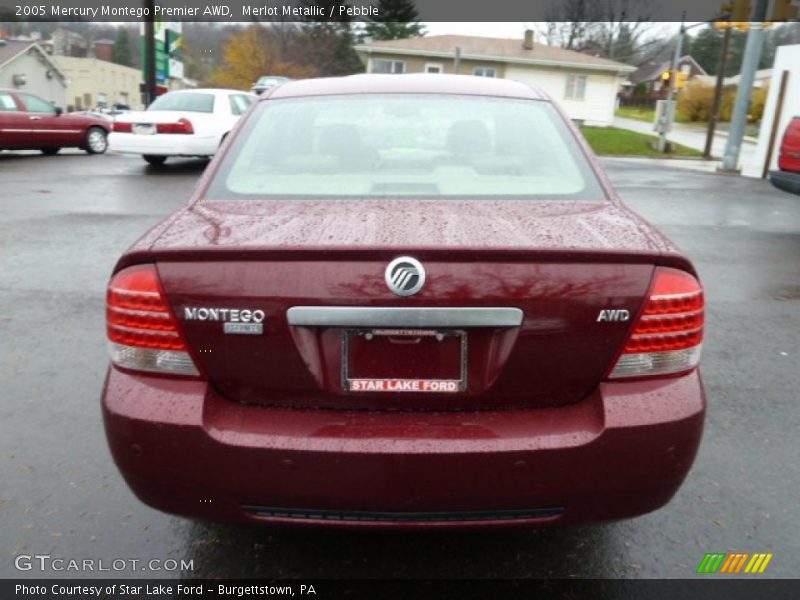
168	44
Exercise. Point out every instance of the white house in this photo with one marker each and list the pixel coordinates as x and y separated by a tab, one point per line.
585	86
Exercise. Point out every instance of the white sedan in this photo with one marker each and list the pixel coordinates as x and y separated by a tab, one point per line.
180	123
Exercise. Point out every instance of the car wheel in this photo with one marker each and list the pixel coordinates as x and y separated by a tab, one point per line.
49	151
96	140
155	160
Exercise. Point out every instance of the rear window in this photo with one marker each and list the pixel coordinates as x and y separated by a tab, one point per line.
406	145
188	102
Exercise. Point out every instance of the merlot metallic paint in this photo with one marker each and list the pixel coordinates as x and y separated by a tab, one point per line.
271	426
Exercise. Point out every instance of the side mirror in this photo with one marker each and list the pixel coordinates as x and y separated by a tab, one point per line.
59	111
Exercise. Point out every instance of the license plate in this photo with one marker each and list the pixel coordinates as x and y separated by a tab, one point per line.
144	129
418	361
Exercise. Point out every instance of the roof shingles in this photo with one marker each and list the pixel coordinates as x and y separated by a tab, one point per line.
502	49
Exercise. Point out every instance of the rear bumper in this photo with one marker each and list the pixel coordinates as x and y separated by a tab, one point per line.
786	181
621	452
164	144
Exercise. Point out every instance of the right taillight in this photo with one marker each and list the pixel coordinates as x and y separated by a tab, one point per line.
142	331
668	336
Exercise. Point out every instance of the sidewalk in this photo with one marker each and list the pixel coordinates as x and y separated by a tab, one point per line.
694	137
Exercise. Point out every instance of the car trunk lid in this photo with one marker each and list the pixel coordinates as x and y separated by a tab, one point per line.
509	315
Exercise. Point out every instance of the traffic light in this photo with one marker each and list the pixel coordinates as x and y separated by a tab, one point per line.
666	79
784	10
681	81
738	25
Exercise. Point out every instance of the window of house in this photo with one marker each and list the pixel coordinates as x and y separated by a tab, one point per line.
7	103
382	65
433	68
576	87
485	72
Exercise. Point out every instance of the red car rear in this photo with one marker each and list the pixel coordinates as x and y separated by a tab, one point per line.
787	177
404	301
28	122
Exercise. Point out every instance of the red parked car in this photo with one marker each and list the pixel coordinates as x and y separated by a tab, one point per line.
787	177
28	122
404	301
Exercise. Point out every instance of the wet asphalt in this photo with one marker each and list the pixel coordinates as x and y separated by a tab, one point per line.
64	220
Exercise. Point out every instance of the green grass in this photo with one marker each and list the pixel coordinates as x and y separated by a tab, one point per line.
610	141
641	113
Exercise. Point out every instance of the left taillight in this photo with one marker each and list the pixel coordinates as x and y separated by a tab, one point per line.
143	333
122	127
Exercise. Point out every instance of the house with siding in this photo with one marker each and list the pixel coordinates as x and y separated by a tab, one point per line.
585	86
26	67
648	82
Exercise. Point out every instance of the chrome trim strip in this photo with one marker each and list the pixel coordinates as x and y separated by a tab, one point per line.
402	517
390	316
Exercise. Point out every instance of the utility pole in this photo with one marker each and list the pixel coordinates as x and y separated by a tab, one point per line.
673	88
714	116
752	54
150	52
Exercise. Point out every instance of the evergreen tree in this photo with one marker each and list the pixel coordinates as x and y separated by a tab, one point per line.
397	19
705	48
329	44
121	50
623	49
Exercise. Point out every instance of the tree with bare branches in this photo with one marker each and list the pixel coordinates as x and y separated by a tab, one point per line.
612	29
254	52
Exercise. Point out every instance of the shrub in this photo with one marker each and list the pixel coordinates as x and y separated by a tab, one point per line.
757	101
728	100
695	101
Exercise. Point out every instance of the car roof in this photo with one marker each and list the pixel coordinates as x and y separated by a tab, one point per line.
216	91
416	83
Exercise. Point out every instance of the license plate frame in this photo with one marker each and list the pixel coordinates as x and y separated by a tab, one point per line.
144	128
404	385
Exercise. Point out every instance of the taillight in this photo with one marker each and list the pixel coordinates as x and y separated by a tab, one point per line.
182	126
668	336
789	156
121	127
142	331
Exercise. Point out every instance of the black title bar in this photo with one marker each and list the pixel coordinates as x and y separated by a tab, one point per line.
359	10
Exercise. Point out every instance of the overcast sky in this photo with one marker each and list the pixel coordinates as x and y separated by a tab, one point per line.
504	30
517	29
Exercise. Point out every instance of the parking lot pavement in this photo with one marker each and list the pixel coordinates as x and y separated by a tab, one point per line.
65	219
